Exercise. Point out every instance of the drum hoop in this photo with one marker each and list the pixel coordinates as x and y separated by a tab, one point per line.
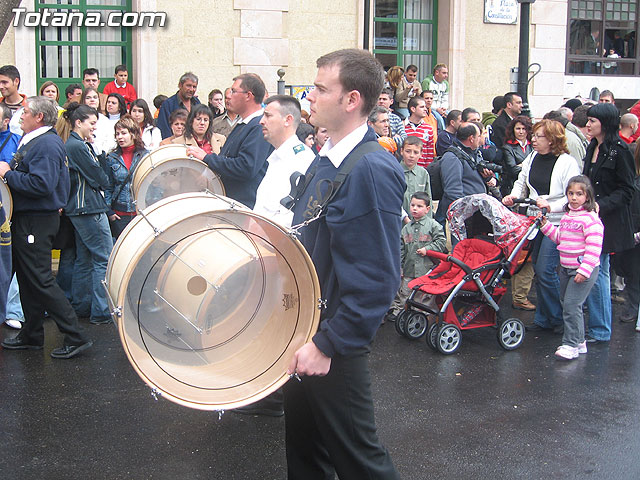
10	209
128	271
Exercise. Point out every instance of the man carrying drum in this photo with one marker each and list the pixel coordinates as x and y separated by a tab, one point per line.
329	416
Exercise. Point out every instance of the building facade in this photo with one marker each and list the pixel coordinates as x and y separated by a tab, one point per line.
218	39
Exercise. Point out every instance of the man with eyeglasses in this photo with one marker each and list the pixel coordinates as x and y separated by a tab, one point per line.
242	161
185	98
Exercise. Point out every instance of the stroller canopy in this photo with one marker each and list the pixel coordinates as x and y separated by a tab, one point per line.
508	227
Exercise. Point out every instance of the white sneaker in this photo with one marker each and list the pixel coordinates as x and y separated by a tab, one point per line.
566	352
582	347
637	328
13	323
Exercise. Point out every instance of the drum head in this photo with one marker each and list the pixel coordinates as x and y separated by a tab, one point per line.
7	200
214	304
169	171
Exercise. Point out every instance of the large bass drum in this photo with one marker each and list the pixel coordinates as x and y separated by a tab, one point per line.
6	199
168	171
211	300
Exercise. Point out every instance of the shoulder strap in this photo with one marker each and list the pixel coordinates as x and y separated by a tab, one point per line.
299	182
6	140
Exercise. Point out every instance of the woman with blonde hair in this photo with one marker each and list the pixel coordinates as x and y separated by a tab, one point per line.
545	175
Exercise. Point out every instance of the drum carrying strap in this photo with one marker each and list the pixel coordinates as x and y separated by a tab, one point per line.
300	182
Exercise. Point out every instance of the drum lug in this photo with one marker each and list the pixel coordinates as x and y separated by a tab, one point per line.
322	303
155	393
116	312
220	414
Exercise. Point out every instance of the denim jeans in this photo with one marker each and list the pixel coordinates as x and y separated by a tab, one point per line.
573	297
599	303
548	308
14	307
93	247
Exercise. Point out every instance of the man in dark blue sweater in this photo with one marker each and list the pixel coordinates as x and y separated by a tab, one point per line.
39	181
330	425
242	161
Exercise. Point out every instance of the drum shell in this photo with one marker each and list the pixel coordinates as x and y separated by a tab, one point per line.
220	358
7	199
167	171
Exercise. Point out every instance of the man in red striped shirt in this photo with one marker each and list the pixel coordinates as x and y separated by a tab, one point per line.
415	126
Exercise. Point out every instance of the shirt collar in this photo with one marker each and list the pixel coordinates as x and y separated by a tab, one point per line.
255	114
120	86
287	146
338	152
419	222
31	135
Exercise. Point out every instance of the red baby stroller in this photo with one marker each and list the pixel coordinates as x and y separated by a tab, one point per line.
463	291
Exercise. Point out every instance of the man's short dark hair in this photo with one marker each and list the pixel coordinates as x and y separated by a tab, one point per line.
288	106
121	68
375	113
158	99
387	91
607	93
413	102
498	104
90	71
10	71
466	112
360	71
68	92
254	84
411	68
508	97
580	116
417	141
557	116
424	196
452	116
465	131
5	112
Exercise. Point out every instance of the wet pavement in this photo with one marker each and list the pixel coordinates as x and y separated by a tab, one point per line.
480	413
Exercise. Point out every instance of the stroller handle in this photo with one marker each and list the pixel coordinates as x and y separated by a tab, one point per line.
530	201
449	258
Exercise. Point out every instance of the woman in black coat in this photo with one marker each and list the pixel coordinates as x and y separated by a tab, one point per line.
609	165
516	147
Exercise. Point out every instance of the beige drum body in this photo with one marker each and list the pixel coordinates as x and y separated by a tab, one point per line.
211	300
7	200
168	171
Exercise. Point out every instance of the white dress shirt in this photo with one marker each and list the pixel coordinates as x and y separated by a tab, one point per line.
292	156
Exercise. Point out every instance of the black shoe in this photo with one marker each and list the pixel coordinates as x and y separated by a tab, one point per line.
558	328
17	343
595	341
534	327
69	351
389	317
101	321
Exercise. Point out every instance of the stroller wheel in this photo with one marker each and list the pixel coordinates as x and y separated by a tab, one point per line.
416	325
401	321
510	333
432	335
448	338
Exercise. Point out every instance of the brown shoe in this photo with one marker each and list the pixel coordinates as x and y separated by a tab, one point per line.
526	305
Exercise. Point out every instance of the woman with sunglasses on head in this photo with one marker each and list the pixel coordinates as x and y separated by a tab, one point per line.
545	174
609	165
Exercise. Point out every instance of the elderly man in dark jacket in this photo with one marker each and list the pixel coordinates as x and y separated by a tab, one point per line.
39	180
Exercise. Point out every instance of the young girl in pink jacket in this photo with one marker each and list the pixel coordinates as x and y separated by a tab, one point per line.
579	239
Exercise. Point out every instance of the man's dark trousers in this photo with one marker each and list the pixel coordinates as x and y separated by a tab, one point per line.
334	425
32	237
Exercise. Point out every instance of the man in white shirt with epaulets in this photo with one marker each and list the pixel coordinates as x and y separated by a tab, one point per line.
279	123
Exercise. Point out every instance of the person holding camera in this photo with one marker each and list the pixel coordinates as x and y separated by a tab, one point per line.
462	171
